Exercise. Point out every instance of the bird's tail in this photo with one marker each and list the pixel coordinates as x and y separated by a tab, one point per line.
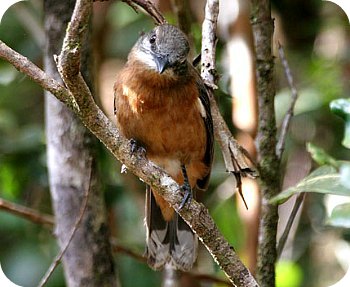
168	242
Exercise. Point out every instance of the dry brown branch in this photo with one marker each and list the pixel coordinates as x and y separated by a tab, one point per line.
26	212
288	116
59	256
149	7
284	236
281	145
26	67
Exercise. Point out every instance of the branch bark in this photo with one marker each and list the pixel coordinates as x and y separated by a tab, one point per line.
78	97
269	163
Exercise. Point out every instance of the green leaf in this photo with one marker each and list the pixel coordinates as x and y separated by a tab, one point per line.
325	179
340	216
341	107
320	156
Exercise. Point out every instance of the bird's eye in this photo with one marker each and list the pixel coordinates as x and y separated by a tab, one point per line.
152	40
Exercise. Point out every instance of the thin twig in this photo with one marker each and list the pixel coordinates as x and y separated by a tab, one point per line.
117	248
26	212
28	68
59	256
149	7
137	256
287	118
284	236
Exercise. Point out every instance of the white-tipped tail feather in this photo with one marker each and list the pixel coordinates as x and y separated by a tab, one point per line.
168	242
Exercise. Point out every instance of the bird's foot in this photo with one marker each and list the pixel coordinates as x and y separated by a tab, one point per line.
186	188
136	148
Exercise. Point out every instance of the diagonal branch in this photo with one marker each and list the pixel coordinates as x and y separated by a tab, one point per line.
149	7
26	67
293	214
288	117
26	212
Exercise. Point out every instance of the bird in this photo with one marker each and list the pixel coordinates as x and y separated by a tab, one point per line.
162	105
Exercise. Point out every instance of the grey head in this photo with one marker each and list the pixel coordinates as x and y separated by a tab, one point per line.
165	47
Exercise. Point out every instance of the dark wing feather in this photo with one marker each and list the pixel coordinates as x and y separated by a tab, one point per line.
208	121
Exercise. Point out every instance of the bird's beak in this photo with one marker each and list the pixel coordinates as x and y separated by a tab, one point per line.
162	63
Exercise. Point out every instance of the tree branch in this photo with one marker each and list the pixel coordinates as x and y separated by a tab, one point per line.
284	236
26	67
196	215
149	7
26	212
269	164
288	116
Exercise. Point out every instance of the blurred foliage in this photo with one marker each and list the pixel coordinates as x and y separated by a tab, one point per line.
341	107
288	274
340	216
325	179
29	249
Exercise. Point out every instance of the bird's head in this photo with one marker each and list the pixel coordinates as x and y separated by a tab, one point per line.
164	48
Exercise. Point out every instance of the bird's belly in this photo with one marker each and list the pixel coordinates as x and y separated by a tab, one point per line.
181	135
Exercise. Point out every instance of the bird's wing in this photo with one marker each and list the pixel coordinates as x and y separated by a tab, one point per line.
208	121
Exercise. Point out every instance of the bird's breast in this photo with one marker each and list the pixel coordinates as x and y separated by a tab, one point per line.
167	121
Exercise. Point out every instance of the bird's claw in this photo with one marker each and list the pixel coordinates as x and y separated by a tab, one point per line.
136	148
186	188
